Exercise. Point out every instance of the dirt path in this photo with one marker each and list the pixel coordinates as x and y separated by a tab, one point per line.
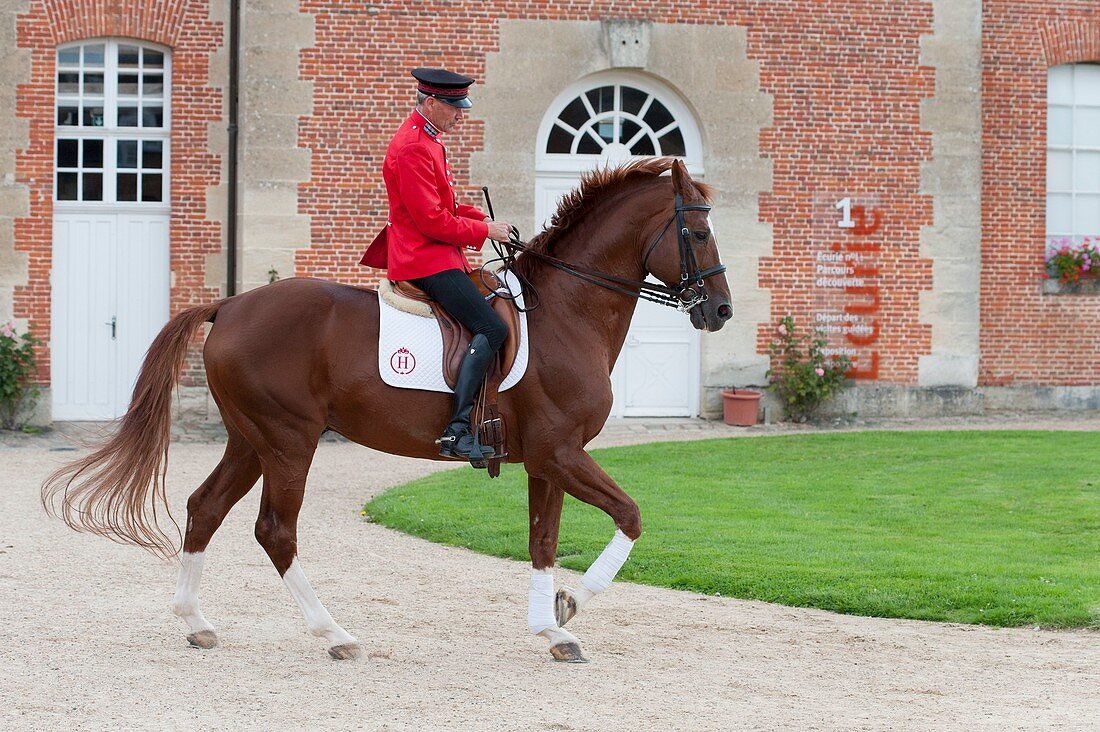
89	641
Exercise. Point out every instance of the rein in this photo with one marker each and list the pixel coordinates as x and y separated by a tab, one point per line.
687	294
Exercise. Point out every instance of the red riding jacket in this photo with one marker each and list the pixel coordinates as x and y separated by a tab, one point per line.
427	228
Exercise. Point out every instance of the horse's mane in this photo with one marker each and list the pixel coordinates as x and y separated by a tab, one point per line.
594	185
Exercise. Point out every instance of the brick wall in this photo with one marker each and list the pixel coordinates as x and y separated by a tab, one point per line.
192	36
847	83
1028	337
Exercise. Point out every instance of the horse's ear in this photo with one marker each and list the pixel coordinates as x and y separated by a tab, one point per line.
681	181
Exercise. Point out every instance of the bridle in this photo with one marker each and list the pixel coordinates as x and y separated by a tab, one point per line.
690	292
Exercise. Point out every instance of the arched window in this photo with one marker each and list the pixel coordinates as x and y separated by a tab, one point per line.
112	123
614	116
1073	152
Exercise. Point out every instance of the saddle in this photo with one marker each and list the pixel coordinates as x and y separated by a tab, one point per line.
409	298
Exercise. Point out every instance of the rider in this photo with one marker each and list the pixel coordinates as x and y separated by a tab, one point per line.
427	231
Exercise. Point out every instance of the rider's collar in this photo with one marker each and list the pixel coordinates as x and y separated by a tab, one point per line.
431	129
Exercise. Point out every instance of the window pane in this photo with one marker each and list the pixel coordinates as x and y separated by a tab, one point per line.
68	82
602	99
152	116
560	141
151	154
66	153
152	85
643	146
127	153
574	114
128	84
127	57
588	146
1086	215
1060	85
1086	173
1059	171
1086	127
126	184
68	56
673	143
633	99
1059	126
150	186
68	116
153	59
629	129
1086	84
93	116
93	84
606	129
93	153
93	187
658	117
1059	208
66	186
93	55
127	116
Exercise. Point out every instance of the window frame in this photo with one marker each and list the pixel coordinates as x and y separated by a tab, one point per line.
1054	230
110	133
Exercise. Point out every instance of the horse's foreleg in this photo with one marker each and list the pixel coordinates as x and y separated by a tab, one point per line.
206	509
277	532
589	483
544	506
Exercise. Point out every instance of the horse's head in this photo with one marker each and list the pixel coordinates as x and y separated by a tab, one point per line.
685	254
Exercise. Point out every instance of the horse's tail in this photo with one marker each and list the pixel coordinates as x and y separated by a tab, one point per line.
115	491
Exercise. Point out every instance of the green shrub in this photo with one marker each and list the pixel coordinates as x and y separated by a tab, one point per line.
804	377
18	393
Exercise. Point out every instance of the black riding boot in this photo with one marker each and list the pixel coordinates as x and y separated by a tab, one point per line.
458	439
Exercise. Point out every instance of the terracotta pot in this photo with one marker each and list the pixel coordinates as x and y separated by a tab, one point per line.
740	407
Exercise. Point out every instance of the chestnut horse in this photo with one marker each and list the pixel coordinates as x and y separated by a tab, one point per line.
288	361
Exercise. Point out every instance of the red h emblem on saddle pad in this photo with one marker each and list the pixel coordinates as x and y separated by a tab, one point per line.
402	361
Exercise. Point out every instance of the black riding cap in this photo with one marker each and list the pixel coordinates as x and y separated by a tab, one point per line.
446	86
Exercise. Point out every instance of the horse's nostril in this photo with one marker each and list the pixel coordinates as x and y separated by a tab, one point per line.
725	312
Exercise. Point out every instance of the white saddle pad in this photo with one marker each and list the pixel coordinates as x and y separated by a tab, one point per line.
410	347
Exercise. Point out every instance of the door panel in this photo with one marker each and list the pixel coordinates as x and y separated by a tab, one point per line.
106	268
142	294
83	356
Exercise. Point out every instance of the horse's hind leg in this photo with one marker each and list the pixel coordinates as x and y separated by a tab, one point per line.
206	509
277	531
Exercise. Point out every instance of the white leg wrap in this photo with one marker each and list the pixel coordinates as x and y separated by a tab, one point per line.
318	620
603	570
185	604
540	602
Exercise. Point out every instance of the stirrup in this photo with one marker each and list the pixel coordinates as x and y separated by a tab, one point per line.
478	454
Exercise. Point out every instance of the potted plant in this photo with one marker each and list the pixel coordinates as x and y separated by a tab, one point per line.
1069	261
804	377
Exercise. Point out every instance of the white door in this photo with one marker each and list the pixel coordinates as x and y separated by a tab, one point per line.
110	276
608	119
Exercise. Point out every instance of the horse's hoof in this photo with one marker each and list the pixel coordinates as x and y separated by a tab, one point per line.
346	652
203	639
568	653
565	606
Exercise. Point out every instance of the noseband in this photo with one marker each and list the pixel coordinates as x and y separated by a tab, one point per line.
687	294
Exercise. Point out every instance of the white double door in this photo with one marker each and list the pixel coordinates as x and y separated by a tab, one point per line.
658	371
110	283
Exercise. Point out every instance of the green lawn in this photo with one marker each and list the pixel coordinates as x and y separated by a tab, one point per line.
1000	528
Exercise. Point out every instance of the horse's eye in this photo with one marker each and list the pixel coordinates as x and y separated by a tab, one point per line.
702	235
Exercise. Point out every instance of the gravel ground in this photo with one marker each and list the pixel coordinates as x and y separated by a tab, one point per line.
89	642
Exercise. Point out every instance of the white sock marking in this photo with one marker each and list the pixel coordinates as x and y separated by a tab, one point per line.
185	604
318	620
